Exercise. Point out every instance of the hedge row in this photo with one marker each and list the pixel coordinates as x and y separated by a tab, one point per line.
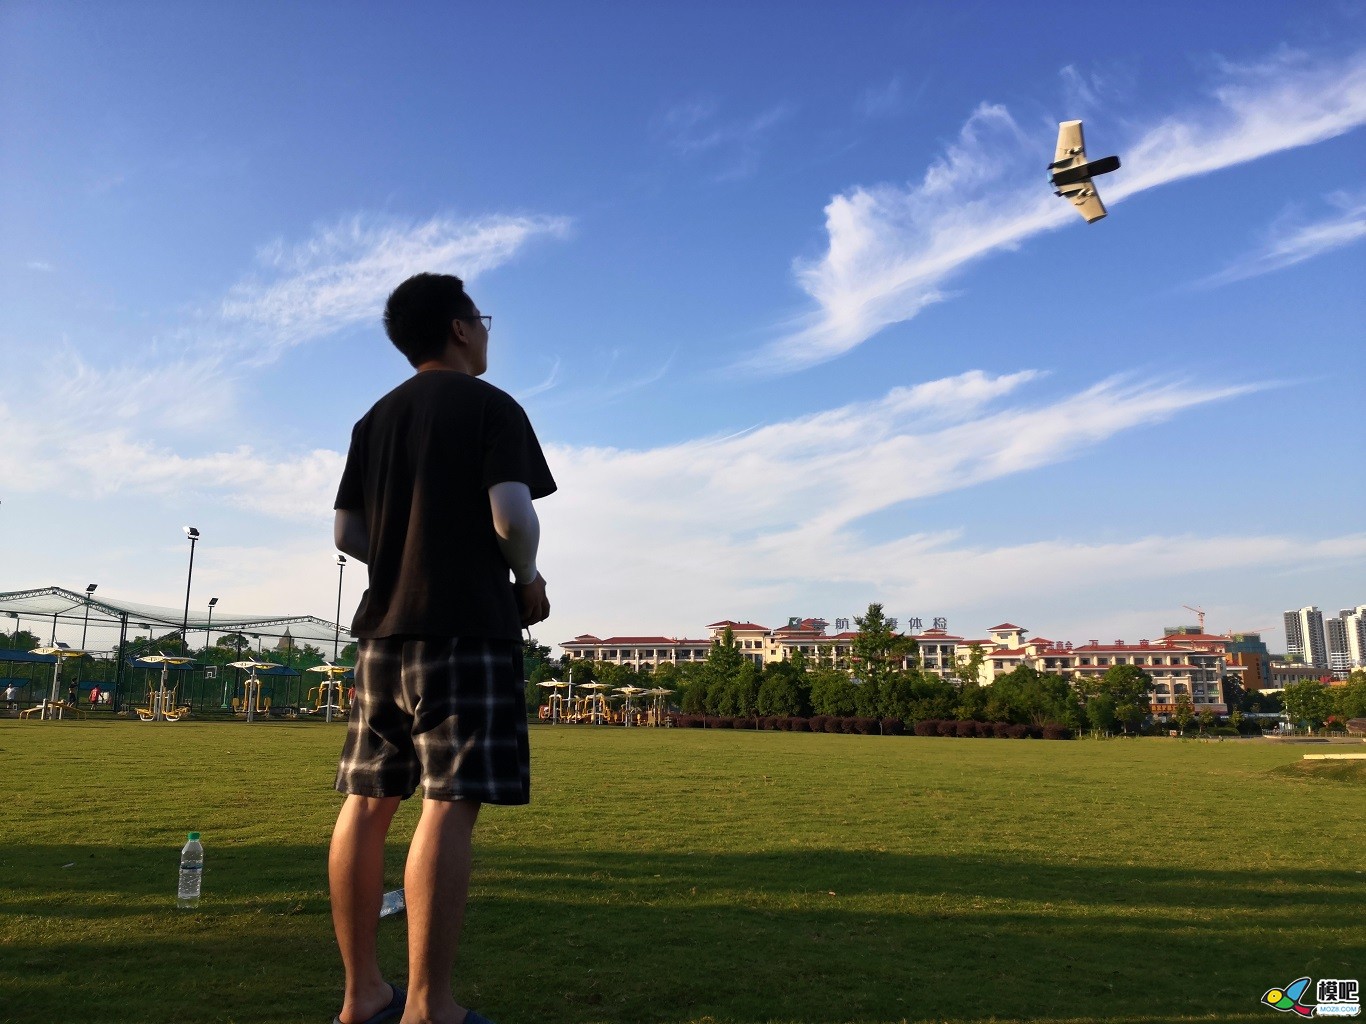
865	726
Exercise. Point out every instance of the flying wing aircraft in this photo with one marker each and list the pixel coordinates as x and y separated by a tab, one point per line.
1071	175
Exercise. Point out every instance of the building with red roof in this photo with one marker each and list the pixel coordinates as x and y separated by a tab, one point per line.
1185	661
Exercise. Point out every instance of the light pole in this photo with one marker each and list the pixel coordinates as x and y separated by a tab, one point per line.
193	535
208	629
336	636
89	589
336	641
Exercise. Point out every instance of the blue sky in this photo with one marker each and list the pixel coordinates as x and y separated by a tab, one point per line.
783	288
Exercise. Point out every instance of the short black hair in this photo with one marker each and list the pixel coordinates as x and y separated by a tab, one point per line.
419	312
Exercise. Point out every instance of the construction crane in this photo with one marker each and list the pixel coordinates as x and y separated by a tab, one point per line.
1198	611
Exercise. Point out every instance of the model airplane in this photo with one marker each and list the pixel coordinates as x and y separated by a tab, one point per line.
1071	174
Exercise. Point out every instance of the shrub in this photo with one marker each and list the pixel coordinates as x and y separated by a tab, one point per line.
720	721
1017	732
928	727
865	726
1054	731
965	728
817	722
1001	730
1034	732
892	727
983	730
1226	730
836	724
948	727
799	724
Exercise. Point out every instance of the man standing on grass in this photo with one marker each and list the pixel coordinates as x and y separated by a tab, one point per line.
436	500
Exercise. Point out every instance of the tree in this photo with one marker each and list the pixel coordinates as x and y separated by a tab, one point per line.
972	700
1025	695
20	640
1349	700
878	650
1308	701
1100	713
897	699
1184	712
968	672
743	691
720	670
1131	689
832	692
534	655
932	697
784	690
1206	718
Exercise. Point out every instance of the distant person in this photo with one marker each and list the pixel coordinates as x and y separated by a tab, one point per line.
73	693
94	696
444	468
10	701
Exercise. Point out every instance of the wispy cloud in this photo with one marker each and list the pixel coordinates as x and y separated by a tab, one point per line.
696	127
40	266
776	511
771	518
552	378
892	249
888	99
1292	241
341	276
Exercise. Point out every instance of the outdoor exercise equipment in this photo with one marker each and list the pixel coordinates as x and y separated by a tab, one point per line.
54	707
628	712
250	705
161	705
595	708
555	699
330	696
656	715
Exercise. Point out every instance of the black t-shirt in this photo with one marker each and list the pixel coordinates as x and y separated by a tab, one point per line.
420	466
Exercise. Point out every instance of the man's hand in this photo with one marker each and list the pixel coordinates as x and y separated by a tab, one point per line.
532	602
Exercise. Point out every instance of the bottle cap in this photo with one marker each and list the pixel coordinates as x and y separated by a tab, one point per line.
193	836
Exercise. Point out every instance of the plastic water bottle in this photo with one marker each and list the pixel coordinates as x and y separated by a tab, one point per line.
191	872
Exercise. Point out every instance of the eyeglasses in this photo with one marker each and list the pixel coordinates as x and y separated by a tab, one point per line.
484	318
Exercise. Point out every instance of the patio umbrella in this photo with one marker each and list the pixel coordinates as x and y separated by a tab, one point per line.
57	652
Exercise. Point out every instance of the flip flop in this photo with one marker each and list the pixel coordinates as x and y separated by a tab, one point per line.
391	1012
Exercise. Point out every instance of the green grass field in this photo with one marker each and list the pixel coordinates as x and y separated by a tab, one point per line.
681	875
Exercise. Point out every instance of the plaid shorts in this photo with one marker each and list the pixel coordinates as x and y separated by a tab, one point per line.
448	713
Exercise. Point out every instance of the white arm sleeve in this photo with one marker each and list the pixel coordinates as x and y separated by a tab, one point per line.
518	529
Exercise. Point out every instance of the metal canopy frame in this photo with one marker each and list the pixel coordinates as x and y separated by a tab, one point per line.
58	605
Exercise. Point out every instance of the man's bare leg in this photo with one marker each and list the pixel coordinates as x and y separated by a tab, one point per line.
437	880
355	869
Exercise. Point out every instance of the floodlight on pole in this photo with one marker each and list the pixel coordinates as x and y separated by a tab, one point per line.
193	536
336	635
208	628
89	589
